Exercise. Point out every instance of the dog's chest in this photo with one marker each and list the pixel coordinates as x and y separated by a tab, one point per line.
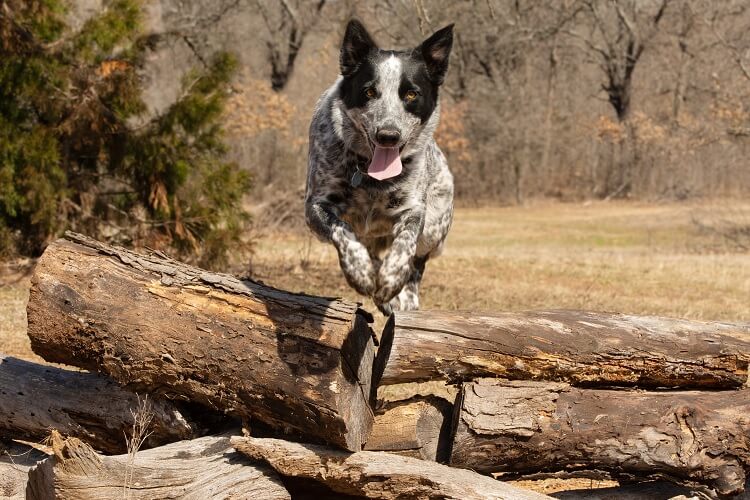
371	214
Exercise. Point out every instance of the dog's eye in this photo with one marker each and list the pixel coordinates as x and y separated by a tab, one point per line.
371	93
410	95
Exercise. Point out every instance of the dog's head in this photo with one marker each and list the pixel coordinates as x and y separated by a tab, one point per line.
391	95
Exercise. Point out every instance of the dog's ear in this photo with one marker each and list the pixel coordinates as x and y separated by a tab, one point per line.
356	46
435	51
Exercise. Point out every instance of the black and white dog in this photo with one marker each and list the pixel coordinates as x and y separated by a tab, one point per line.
378	186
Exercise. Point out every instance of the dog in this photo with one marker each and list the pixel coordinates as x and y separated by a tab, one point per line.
378	187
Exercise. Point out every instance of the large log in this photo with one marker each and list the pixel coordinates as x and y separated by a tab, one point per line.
525	427
376	474
418	428
35	399
293	361
199	469
582	348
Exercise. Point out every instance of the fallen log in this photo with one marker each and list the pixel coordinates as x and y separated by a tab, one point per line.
15	462
582	348
376	474
34	399
293	361
418	428
525	427
202	468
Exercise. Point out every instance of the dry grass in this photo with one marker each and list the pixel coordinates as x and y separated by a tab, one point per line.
14	294
627	257
142	418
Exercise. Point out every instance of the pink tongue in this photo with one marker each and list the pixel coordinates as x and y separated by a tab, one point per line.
386	163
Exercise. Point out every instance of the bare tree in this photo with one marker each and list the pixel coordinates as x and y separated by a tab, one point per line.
287	24
620	30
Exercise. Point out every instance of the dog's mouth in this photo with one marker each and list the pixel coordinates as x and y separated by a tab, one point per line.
386	162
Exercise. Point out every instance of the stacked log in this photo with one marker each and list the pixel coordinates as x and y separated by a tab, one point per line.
582	348
376	475
577	390
694	437
199	469
155	325
35	398
537	392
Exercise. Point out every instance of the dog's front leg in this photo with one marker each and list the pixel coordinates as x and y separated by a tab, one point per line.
398	261
354	258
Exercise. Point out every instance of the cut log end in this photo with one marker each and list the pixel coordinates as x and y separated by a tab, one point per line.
418	428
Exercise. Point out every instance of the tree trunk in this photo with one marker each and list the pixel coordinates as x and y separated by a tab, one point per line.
525	427
375	474
192	470
34	399
418	428
581	348
549	109
293	361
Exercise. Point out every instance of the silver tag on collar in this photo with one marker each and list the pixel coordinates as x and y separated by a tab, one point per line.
356	179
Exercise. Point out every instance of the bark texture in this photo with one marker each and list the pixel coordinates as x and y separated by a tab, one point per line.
526	427
34	399
375	474
293	361
199	469
418	428
582	348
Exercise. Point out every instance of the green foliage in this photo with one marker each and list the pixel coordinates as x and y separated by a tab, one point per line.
70	156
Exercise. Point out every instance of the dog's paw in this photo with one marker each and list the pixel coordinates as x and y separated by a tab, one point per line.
357	267
392	277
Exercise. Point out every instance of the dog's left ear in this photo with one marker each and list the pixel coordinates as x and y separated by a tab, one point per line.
356	46
435	51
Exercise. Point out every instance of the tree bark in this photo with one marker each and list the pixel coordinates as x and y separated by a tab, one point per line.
293	361
375	474
525	427
34	399
192	470
585	349
418	428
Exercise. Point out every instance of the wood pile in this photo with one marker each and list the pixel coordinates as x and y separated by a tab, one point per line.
255	392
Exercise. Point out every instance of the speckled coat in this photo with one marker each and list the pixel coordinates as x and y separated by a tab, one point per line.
384	231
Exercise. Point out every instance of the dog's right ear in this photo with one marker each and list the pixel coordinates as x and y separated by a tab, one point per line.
356	46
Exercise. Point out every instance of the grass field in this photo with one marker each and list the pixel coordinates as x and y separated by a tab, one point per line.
634	258
626	257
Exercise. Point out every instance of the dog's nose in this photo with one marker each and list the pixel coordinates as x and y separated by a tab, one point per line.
387	137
